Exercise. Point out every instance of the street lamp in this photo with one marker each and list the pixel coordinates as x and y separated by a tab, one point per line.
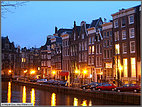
84	73
53	72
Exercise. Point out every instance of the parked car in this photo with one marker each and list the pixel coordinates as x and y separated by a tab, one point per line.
107	86
41	80
87	86
129	87
34	80
63	83
48	82
93	87
56	82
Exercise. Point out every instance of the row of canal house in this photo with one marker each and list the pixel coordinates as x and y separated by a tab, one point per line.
106	50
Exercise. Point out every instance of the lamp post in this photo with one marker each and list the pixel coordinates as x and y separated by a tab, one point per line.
10	72
32	72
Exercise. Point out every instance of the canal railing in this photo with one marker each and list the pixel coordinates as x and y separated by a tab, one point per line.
122	97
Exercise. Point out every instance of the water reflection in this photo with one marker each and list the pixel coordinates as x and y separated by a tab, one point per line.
24	95
84	103
9	93
75	103
33	96
53	99
90	103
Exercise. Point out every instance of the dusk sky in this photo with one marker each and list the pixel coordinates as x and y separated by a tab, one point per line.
30	24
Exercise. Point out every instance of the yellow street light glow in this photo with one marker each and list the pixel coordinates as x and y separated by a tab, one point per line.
9	71
120	67
76	71
84	71
32	72
53	72
25	71
101	73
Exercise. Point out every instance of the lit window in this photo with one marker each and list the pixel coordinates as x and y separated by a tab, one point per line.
115	23
22	59
89	49
133	67
125	69
117	49
93	49
131	33
123	34
131	19
132	46
124	46
116	34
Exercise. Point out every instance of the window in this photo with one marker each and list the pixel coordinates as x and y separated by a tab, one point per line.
85	45
132	46
131	19
82	57
82	36
110	53
93	49
93	40
79	57
107	53
92	61
97	61
133	67
89	49
100	61
100	49
104	43
124	46
117	49
85	57
123	22
104	34
110	42
89	40
107	34
123	34
131	33
104	53
110	33
82	45
116	34
125	69
89	60
79	46
115	23
107	43
97	49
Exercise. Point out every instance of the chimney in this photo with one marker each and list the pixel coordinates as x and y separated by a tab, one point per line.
56	29
74	24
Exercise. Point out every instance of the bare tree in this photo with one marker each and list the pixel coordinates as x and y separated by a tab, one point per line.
7	5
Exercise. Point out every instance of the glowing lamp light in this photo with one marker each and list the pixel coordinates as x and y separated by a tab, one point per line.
90	75
53	72
85	72
32	72
9	71
25	71
120	67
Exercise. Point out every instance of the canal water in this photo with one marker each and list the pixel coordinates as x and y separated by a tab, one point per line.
13	93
